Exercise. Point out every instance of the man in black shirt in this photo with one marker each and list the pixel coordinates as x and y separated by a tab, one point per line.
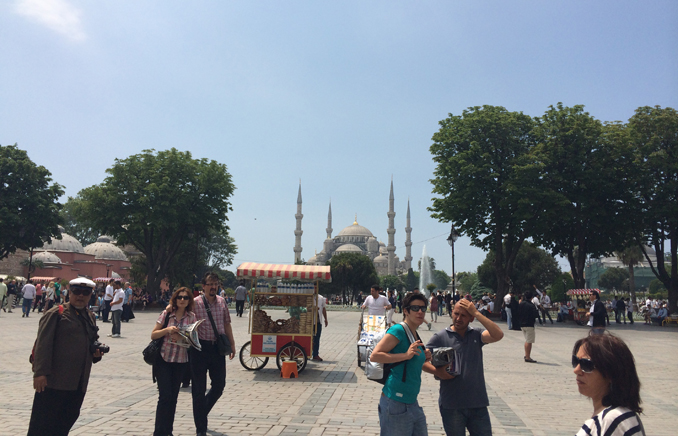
527	312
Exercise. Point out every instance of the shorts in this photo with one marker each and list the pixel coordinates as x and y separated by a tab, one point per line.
528	332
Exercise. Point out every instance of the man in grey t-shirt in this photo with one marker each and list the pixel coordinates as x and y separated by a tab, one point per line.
463	398
240	297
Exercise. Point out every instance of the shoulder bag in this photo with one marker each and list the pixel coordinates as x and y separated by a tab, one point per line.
152	350
223	344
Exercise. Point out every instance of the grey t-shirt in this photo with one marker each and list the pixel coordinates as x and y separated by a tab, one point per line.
240	293
467	390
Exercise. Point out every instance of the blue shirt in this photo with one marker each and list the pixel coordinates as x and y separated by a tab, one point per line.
128	296
394	388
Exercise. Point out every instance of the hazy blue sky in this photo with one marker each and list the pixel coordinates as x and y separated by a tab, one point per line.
342	95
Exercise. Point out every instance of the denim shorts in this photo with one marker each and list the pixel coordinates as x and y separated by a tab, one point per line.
400	419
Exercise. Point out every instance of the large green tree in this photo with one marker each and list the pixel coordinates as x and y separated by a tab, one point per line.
351	274
613	279
391	282
29	207
483	183
86	235
653	132
533	266
631	256
153	200
581	187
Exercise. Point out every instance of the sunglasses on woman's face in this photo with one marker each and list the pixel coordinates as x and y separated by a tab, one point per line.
586	365
183	297
417	308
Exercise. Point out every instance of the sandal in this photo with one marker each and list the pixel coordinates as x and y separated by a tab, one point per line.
530	360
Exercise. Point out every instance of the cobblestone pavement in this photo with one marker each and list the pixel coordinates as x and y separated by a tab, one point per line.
333	397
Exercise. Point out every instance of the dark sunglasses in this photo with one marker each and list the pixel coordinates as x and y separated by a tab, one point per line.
81	291
586	365
416	308
183	297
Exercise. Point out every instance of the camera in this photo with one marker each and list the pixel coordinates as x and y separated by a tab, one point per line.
96	345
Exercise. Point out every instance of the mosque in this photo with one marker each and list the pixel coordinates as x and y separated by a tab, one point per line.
358	239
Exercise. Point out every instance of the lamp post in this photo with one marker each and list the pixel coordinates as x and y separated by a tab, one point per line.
451	240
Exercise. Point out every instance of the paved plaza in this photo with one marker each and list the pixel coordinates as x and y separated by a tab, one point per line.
333	397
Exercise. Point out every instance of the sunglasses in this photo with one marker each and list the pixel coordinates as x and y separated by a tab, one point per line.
586	365
183	297
417	308
81	291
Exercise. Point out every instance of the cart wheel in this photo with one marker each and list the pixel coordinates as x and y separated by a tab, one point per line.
292	351
250	362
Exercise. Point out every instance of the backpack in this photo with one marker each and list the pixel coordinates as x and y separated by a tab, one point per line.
31	358
379	372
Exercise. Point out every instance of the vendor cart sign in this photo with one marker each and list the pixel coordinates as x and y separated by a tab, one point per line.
374	323
269	344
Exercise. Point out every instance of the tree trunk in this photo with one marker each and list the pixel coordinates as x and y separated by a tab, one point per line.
632	287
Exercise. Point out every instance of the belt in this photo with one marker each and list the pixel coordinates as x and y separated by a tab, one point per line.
203	341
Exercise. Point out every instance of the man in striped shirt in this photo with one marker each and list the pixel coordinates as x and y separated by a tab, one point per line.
209	358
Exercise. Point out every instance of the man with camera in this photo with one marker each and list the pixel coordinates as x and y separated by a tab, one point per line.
66	346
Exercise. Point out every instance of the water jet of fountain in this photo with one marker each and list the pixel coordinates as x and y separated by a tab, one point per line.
425	275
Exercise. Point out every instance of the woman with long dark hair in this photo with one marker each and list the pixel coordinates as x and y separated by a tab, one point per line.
606	373
172	364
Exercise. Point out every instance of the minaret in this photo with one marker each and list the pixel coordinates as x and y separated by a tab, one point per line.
298	232
391	233
408	240
329	222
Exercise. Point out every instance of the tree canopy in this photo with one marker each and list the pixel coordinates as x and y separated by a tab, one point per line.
483	181
29	207
613	279
153	200
351	274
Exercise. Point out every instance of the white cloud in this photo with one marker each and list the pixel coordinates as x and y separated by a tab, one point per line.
57	15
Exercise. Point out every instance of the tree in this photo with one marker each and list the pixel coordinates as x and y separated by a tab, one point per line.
466	280
440	278
484	183
581	194
351	273
533	266
560	286
153	200
29	207
631	256
391	282
86	235
412	280
653	132
613	279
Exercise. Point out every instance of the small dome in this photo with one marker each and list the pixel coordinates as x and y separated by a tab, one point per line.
381	244
46	257
348	248
381	259
383	250
66	243
104	249
312	260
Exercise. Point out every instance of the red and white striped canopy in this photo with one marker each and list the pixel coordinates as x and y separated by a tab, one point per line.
582	291
106	279
289	272
43	279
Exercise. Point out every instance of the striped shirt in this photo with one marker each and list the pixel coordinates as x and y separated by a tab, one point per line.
613	421
170	351
219	313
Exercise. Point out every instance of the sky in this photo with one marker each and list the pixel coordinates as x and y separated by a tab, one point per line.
342	96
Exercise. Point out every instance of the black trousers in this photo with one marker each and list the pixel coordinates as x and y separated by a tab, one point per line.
169	376
54	412
202	362
239	307
107	309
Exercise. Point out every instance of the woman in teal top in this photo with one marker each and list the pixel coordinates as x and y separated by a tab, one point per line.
399	411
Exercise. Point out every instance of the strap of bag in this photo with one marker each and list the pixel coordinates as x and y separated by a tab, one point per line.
209	313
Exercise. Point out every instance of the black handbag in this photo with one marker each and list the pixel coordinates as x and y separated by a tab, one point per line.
152	350
223	344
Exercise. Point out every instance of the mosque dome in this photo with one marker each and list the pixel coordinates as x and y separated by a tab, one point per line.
380	259
355	230
66	243
103	248
46	257
349	248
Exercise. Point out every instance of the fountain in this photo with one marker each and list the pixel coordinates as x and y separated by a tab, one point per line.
425	276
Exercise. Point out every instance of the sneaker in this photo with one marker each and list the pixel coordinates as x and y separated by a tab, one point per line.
115	336
317	359
109	335
429	326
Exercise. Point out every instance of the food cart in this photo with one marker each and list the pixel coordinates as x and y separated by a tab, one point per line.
580	298
289	338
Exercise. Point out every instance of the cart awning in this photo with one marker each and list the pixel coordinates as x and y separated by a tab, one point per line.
288	272
43	279
105	279
582	291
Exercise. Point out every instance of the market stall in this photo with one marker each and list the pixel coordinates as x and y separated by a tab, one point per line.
293	287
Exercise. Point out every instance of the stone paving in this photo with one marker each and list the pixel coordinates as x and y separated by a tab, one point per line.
333	397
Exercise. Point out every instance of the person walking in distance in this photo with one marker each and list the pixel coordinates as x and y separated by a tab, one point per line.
322	319
108	298
463	399
507	308
209	359
28	293
11	295
545	302
629	310
65	349
3	293
240	297
527	312
116	309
